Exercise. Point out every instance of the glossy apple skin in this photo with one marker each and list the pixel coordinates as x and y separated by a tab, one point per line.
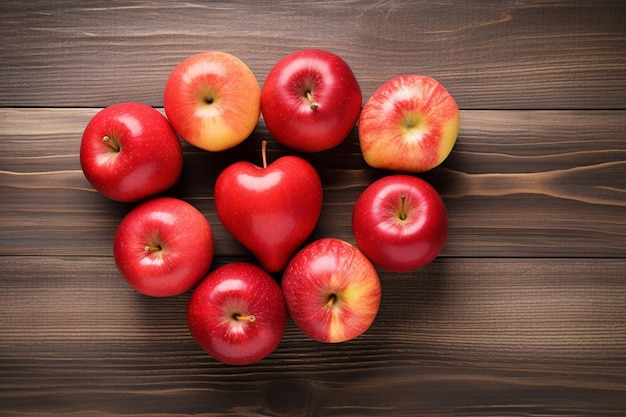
410	124
213	100
325	267
182	247
272	210
242	289
288	113
399	236
142	158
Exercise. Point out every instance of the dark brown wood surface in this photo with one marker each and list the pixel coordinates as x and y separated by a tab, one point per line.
524	312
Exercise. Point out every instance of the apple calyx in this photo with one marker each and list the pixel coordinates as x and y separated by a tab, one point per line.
412	121
249	318
312	103
114	145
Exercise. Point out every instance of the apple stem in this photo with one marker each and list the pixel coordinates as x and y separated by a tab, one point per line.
402	213
110	143
312	102
250	318
152	248
331	301
264	153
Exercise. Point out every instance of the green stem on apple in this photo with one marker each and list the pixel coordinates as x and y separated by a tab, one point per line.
264	153
331	301
250	318
110	143
312	102
402	213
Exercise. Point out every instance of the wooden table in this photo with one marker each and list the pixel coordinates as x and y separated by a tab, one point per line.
524	312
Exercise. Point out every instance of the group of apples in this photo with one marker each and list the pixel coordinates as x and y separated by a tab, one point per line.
310	102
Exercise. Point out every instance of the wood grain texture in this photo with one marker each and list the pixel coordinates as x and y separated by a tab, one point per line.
465	337
490	55
524	312
518	183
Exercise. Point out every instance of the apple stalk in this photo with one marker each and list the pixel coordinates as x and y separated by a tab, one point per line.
312	103
332	299
264	153
152	248
402	212
249	318
111	144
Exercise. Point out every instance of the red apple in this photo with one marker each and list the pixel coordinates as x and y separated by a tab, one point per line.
409	124
129	152
400	223
310	100
163	247
237	314
271	210
213	100
332	290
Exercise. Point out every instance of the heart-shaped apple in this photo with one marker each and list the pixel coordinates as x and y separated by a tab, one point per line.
272	209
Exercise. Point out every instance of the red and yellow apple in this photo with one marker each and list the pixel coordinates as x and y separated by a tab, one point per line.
332	290
409	124
213	100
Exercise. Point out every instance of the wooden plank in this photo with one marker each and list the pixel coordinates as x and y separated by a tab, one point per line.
458	337
490	55
544	183
524	313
